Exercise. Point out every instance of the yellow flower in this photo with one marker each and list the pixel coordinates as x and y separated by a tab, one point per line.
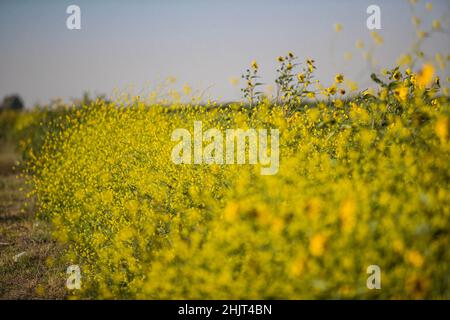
311	95
339	78
332	90
187	89
280	59
429	6
40	290
436	24
415	258
397	75
416	21
231	211
404	60
254	65
297	267
347	214
132	206
301	77
338	27
317	245
442	129
421	34
338	103
425	76
377	38
313	207
401	93
353	86
107	196
310	66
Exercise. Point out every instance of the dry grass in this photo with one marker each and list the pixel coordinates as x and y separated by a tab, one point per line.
33	275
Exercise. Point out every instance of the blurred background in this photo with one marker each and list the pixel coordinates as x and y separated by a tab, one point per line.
134	46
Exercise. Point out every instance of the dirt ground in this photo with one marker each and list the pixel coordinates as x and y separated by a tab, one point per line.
27	253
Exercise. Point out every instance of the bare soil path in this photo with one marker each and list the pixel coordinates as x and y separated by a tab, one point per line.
27	267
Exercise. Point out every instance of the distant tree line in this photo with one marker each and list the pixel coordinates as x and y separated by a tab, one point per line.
12	102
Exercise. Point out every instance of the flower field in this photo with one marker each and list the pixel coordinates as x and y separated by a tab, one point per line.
300	189
362	181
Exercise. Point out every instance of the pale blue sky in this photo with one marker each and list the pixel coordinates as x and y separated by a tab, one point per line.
200	42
